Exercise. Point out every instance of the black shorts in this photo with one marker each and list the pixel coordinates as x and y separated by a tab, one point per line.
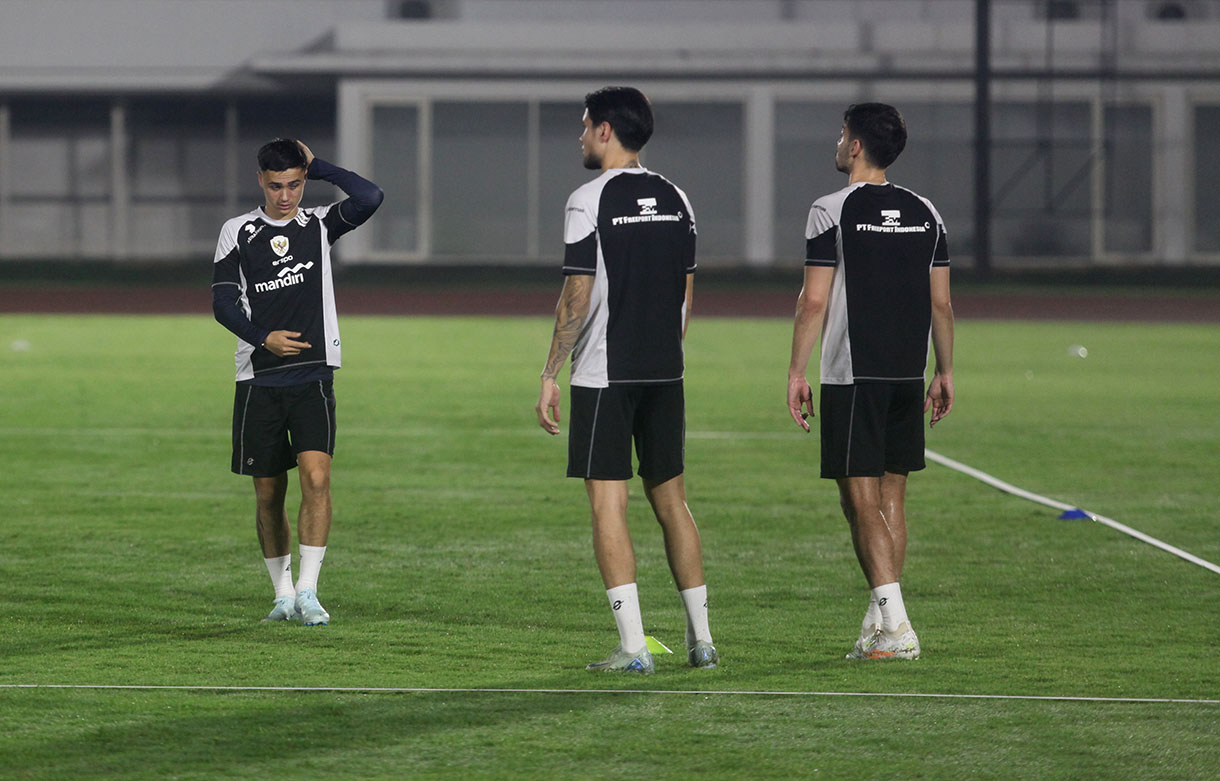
272	425
872	428
604	421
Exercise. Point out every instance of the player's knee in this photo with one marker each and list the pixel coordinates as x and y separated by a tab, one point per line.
315	481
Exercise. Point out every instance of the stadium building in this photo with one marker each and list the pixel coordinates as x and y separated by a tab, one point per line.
1102	128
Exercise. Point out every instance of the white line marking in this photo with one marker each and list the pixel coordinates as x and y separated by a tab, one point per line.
995	482
704	692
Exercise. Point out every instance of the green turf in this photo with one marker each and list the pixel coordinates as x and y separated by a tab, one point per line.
460	558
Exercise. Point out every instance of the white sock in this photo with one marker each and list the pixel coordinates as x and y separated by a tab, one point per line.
889	600
695	600
311	565
280	570
625	602
872	617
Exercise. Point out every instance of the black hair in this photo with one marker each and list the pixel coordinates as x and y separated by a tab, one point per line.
628	112
879	128
280	154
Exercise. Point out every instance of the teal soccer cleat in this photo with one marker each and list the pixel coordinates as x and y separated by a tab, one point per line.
310	609
703	656
285	609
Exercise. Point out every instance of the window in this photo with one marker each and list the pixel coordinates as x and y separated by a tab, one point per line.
1207	178
396	169
1128	169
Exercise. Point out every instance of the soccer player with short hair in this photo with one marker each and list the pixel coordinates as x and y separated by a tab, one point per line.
629	262
877	289
272	287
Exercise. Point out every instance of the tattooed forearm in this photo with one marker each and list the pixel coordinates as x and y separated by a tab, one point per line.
570	314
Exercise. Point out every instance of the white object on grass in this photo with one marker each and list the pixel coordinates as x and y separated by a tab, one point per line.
1033	497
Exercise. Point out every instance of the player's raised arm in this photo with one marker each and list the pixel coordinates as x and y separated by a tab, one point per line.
363	197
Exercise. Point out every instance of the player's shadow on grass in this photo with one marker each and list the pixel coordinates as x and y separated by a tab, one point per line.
164	734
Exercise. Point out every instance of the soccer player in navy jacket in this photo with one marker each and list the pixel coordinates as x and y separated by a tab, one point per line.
272	287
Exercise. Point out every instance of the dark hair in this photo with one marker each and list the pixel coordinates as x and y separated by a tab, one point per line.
628	112
879	128
280	154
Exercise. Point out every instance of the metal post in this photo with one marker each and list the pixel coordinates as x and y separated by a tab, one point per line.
982	137
120	183
5	177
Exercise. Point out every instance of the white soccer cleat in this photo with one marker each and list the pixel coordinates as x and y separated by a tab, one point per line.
899	644
862	643
285	609
310	609
622	662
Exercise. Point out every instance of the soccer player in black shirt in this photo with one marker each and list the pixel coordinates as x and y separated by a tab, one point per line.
272	287
877	288
629	266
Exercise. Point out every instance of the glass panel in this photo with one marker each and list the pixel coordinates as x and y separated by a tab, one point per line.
1128	178
1207	178
479	179
396	170
41	229
94	229
158	229
698	146
60	149
41	167
177	168
59	178
1041	164
177	154
938	163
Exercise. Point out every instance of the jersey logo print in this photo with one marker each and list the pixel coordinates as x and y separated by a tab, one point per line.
287	277
648	213
280	245
252	231
890	224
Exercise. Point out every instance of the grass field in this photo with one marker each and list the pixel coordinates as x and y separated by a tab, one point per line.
460	559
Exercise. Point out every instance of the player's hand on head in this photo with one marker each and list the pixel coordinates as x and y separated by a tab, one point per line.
284	343
308	154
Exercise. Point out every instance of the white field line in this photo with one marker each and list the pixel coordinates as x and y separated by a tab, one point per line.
701	692
995	482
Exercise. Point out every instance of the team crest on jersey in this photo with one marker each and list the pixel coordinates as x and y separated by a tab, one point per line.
280	245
